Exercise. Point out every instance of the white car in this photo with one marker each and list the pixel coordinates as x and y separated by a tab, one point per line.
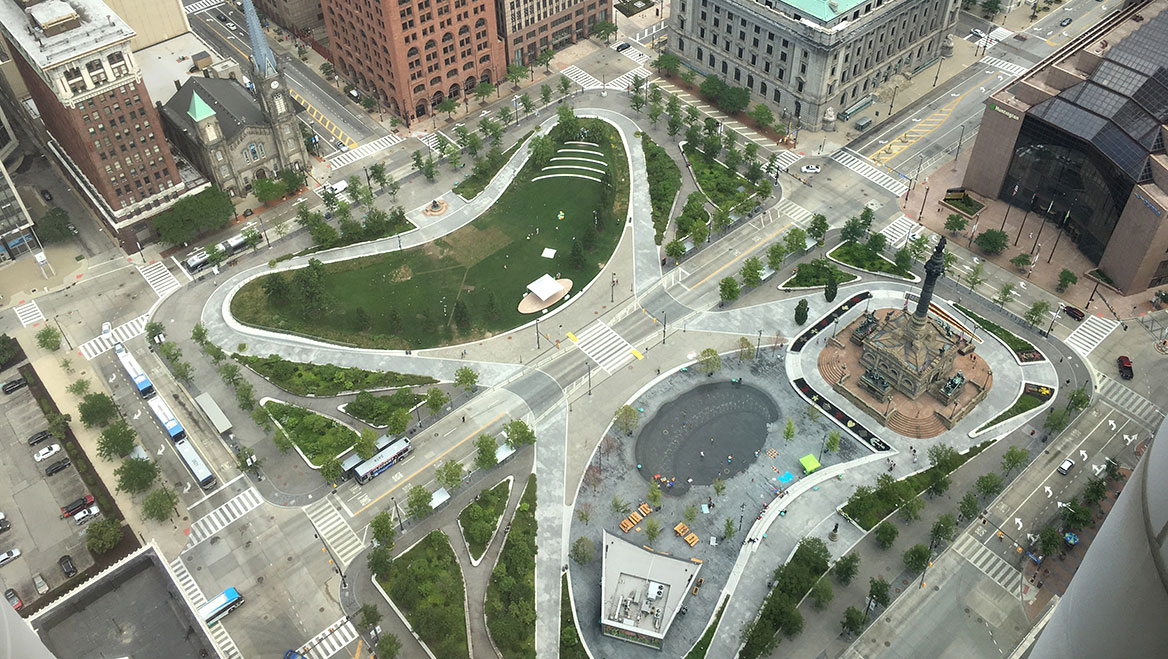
85	515
9	556
230	25
916	234
810	169
975	32
47	452
1066	466
106	328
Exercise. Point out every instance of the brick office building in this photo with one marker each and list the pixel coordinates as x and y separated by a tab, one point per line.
74	56
533	26
412	55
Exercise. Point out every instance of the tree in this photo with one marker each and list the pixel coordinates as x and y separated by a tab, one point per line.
447	105
938	483
1037	312
583	551
435	399
719	486
369	616
331	470
969	506
268	190
519	434
79	388
1005	293
745	349
879	591
886	534
53	226
945	528
831	289
483	91
103	535
1076	515
97	409
527	103
690	514
1015	458
728	529
366	444
116	440
903	260
1078	399
209	210
626	419
1066	279
818	227
674	124
988	485
545	94
58	423
418	502
833	441
544	59
801	312
853	621
1056	420
991	7
918	249
1021	262
976	275
466	378
388	646
49	338
789	430
1050	541
449	474
876	244
916	558
821	594
955	223
852	230
637	102
380	562
567	122
946	458
709	361
506	115
229	373
652	529
565	85
796	240
728	289
846	568
135	475
762	115
1095	492
619	505
382	527
160	504
667	63
604	30
486	448
992	241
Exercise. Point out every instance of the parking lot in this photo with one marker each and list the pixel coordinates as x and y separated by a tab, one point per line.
32	501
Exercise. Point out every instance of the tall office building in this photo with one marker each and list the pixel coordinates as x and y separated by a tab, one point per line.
298	15
16	235
805	57
74	56
1079	139
530	27
412	55
153	21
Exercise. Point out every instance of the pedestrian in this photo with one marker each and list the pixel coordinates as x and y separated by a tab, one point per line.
658	371
464	418
702	453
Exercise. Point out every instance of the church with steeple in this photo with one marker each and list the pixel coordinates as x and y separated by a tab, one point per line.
235	134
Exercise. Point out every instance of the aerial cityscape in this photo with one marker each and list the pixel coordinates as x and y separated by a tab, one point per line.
876	375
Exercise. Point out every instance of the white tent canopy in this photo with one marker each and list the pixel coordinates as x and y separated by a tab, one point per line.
545	287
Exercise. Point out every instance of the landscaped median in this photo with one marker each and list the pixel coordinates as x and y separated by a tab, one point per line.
378	411
664	182
510	605
325	379
1023	350
562	217
817	273
859	256
316	437
425	584
1032	396
699	650
479	520
725	189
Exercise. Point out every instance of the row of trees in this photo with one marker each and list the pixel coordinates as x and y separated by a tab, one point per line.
287	182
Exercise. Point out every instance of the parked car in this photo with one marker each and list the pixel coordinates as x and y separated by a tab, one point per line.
13	385
247	212
1074	312
39	437
46	195
72	229
5	525
13	599
1066	466
86	515
810	169
1125	367
47	452
38	582
9	556
59	465
76	506
67	566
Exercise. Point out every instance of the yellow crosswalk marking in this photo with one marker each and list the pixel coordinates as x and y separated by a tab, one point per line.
637	353
573	337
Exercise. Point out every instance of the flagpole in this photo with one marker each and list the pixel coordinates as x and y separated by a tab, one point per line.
1060	235
1008	205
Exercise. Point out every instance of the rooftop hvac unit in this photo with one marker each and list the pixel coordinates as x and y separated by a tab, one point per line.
656	591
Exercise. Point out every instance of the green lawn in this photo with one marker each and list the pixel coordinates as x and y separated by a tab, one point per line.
1025	403
724	188
1015	343
479	519
510	605
968	205
407	299
426	584
857	255
472	185
325	379
319	437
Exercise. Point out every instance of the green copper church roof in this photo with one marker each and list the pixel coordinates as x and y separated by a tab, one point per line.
199	109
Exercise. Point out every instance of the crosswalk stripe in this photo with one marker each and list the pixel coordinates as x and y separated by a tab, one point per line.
625	81
335	531
1130	402
201	5
860	165
211	523
604	346
120	334
788	158
988	563
1009	67
160	279
581	77
364	151
195	598
897	232
29	314
330	641
794	211
632	53
1090	333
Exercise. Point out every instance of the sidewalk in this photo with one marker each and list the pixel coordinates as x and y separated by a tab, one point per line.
22	280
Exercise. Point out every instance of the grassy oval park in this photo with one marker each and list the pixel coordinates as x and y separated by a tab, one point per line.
466	285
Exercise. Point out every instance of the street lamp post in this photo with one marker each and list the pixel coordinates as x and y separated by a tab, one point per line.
612	290
1020	226
400	526
537	334
333	559
758	346
940	61
589	365
923	201
959	141
663	326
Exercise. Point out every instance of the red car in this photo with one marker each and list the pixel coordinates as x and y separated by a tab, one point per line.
1074	313
76	506
13	599
1125	367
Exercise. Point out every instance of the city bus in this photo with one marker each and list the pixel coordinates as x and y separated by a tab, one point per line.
384	459
161	412
195	464
137	375
219	606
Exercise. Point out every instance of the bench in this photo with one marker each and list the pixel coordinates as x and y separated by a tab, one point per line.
635	517
692	539
645	509
681	529
625	525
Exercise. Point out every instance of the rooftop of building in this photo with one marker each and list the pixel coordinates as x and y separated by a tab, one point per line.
822	10
231	103
642	590
168	62
34	30
1109	87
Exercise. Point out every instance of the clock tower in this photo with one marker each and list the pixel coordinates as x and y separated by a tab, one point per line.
271	91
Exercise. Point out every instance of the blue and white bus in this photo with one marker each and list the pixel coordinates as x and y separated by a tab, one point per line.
137	375
166	418
384	459
195	464
219	606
